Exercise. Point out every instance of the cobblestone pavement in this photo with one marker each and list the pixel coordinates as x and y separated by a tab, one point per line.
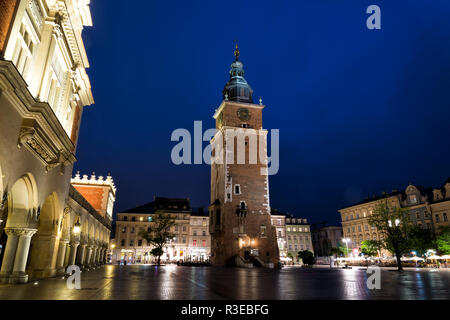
197	283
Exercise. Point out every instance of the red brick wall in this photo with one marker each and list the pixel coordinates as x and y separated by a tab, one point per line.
93	194
7	9
225	243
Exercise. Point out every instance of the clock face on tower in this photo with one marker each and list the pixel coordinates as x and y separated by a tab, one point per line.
243	114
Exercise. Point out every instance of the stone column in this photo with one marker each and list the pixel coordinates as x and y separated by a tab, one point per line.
81	255
73	252
94	256
20	261
99	253
103	256
60	270
67	255
10	253
88	256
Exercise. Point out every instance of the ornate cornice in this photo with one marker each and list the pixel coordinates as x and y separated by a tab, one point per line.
41	132
36	140
20	232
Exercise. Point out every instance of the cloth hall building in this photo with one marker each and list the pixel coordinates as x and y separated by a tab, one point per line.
46	222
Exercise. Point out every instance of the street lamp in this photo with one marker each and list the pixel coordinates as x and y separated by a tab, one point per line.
346	241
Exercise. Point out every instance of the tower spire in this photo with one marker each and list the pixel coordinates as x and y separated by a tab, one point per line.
237	88
236	51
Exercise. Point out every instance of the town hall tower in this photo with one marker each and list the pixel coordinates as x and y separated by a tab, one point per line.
240	222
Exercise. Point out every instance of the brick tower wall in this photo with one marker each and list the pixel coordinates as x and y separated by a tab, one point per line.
7	10
254	191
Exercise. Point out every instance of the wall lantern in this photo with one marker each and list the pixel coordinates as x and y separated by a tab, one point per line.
77	227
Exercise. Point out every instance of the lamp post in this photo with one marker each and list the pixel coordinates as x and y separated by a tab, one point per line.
346	241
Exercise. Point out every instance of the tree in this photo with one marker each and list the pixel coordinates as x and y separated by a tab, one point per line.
344	248
337	252
370	247
443	241
421	240
158	234
307	257
394	225
290	255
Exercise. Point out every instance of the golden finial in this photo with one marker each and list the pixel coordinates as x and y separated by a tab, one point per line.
236	51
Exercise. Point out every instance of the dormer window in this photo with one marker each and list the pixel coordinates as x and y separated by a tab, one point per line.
413	198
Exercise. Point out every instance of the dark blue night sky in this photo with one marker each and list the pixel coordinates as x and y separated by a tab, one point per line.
359	111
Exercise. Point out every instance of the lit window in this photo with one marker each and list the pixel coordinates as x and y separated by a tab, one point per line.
263	231
194	243
149	219
204	243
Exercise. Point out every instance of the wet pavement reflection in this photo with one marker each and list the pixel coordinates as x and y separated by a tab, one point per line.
197	283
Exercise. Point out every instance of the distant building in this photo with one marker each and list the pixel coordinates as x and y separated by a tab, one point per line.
428	208
192	240
293	234
199	237
279	221
298	235
326	237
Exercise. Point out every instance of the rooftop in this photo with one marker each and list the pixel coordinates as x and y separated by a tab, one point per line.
160	203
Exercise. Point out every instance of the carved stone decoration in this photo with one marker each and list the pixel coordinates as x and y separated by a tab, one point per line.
25	135
20	232
36	12
33	137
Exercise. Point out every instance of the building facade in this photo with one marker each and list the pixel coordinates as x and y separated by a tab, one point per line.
239	212
192	241
279	222
427	207
199	237
326	237
298	236
43	90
